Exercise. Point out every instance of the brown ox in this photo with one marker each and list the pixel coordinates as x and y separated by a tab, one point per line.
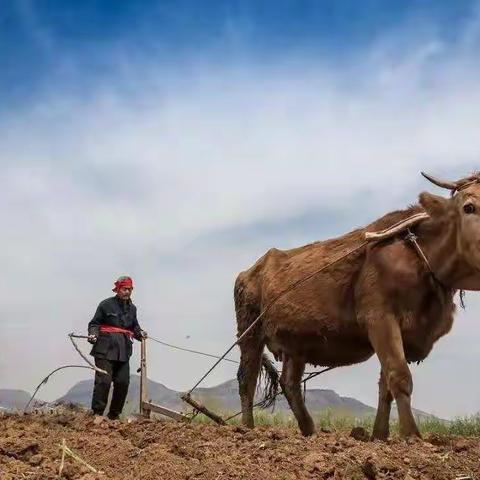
385	298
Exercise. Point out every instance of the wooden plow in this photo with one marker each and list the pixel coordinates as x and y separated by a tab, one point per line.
198	407
147	407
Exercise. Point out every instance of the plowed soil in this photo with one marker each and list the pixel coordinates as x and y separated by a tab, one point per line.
149	449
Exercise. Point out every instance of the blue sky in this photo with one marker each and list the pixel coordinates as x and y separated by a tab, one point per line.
76	45
178	141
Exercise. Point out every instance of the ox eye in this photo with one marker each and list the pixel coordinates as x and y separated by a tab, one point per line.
469	208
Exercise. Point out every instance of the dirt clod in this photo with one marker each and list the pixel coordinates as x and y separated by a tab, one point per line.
369	468
359	433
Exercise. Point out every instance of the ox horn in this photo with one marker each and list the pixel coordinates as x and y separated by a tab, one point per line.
441	183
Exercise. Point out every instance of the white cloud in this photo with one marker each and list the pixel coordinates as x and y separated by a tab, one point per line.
98	186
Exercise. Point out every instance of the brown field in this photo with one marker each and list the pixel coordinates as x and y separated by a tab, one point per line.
150	449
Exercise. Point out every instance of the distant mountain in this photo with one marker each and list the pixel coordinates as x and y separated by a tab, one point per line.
223	397
15	399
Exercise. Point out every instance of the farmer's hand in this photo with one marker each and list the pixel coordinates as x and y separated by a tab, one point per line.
92	339
143	334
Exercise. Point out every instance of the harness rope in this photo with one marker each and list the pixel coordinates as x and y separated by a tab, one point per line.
190	351
271	303
197	352
90	366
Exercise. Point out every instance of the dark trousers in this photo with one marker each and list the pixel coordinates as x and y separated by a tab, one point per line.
119	374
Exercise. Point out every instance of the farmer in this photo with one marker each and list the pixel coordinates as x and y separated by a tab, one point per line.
111	331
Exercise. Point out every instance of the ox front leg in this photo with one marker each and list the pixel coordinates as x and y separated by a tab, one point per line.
381	428
290	381
386	338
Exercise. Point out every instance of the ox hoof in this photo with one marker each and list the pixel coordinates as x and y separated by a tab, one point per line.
307	431
380	435
411	436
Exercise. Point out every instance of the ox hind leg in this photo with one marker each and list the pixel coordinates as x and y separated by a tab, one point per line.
381	427
251	350
290	381
386	338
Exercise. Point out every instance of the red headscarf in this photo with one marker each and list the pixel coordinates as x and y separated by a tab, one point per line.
123	282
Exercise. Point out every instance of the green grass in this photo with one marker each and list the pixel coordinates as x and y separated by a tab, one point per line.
339	420
463	426
342	421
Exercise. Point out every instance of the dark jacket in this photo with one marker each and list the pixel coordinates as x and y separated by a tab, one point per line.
117	313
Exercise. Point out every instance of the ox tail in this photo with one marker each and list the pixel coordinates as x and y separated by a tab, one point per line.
271	382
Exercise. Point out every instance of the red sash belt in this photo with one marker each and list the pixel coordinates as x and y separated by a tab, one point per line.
110	329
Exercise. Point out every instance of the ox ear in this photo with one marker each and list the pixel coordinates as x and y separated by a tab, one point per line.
434	205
